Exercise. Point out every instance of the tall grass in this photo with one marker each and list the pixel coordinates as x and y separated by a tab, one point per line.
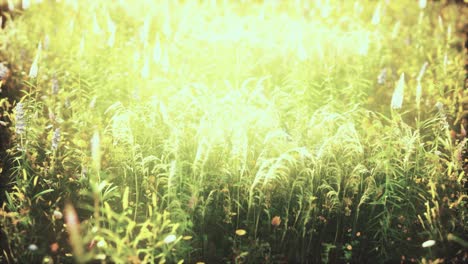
240	132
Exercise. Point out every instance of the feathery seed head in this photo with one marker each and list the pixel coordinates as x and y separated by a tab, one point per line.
20	119
397	98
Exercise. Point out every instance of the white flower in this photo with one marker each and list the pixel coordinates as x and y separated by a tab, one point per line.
32	247
58	215
55	86
101	244
428	243
56	139
169	239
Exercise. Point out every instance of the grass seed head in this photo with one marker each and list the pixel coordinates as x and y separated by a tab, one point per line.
397	98
56	139
20	119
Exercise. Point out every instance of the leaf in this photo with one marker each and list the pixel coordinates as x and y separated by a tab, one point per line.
42	193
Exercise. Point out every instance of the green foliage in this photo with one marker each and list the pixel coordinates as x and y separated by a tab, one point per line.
247	133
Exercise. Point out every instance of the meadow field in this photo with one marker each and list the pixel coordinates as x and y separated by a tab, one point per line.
246	131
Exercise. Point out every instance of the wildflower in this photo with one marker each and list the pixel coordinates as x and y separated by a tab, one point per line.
241	232
54	247
20	119
169	239
4	72
358	234
101	244
349	247
58	215
397	98
428	243
32	247
55	86
382	76
439	106
56	139
276	221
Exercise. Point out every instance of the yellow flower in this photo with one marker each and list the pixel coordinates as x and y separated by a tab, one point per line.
241	232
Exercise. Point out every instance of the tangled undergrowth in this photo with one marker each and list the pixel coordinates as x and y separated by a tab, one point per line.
233	132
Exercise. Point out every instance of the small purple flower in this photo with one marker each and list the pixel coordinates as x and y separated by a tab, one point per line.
382	76
439	106
55	86
56	139
32	247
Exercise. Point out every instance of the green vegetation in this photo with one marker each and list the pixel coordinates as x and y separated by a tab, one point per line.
233	132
